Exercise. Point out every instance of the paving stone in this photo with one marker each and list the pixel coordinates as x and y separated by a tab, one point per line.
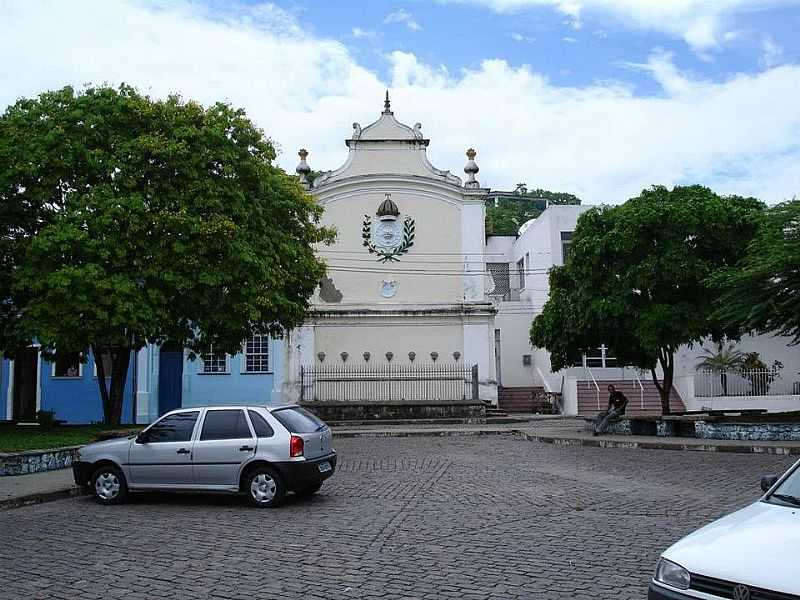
404	518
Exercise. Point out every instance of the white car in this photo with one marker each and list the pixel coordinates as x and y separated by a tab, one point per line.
752	554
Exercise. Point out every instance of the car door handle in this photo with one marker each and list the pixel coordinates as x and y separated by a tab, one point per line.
183	451
246	449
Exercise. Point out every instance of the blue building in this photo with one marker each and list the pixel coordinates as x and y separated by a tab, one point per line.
67	386
160	379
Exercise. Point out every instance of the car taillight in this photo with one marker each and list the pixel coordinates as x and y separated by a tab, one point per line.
296	446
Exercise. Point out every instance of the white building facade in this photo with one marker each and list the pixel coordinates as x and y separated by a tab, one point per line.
405	281
518	283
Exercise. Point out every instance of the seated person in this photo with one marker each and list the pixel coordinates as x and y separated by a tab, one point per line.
617	401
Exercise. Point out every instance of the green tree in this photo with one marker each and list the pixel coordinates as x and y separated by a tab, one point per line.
152	221
637	278
510	213
726	358
762	291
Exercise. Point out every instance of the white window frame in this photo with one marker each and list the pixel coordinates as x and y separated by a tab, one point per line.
566	243
68	377
243	366
202	370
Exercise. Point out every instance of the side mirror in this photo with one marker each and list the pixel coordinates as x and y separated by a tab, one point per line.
768	481
142	438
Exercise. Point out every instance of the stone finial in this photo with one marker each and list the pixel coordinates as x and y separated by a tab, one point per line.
389	356
456	355
434	356
302	168
321	356
471	169
366	356
344	356
412	355
387	106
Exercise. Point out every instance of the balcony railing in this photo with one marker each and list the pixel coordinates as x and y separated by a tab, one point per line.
709	384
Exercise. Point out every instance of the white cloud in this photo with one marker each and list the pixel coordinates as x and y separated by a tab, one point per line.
359	33
772	53
518	37
601	141
569	39
701	23
404	17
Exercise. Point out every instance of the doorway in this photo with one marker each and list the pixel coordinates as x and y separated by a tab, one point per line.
170	378
26	372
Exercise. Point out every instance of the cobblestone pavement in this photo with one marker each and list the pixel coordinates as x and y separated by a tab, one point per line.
406	518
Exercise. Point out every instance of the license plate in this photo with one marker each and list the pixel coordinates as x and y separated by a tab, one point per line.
324	467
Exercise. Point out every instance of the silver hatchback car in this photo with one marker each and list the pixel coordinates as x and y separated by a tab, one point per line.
254	450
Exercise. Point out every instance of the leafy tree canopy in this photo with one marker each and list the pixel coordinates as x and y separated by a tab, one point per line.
128	220
506	217
762	291
637	278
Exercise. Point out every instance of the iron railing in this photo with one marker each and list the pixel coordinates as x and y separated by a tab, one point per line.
588	371
708	384
387	383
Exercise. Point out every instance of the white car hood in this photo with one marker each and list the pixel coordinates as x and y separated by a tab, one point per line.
758	546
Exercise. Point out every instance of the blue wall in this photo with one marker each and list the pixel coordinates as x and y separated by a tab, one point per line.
235	387
77	400
73	399
5	367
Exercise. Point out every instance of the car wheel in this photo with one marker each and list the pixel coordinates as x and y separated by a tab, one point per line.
109	485
310	490
264	488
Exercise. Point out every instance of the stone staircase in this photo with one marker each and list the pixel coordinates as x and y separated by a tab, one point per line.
523	400
587	397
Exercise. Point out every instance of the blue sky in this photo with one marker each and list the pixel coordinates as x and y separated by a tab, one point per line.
600	98
462	35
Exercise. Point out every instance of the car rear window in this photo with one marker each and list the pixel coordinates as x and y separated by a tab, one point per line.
298	420
261	427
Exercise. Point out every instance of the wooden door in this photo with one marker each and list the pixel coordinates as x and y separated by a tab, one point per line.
26	372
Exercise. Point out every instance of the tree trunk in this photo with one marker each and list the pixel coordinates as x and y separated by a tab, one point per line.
97	353
112	398
666	360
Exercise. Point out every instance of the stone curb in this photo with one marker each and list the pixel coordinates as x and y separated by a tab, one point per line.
655	445
42	497
422	433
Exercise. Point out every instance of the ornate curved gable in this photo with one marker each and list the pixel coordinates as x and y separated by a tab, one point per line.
387	147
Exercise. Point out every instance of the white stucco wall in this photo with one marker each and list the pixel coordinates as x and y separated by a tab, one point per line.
396	335
514	322
430	272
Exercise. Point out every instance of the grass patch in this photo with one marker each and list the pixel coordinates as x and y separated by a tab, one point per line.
16	438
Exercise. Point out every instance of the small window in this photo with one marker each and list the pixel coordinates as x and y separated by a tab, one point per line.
214	362
566	242
256	354
521	273
260	425
298	420
225	425
173	428
67	365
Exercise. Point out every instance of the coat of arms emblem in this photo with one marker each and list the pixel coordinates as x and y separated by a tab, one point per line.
387	237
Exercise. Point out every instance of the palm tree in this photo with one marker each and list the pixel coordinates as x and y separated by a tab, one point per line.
726	358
